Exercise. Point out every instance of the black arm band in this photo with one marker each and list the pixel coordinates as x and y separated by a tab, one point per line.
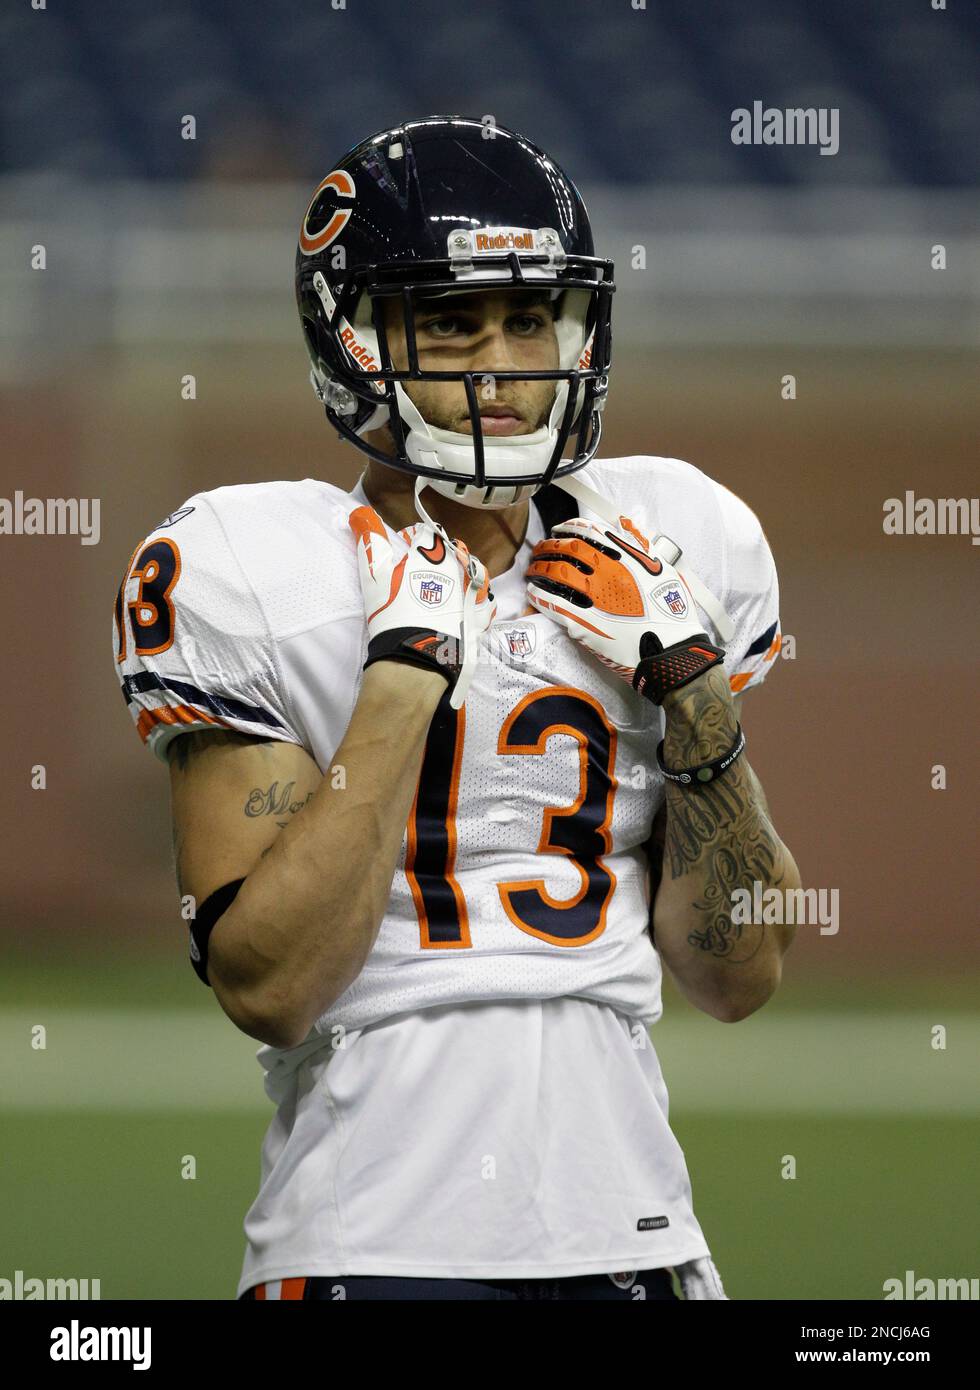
203	921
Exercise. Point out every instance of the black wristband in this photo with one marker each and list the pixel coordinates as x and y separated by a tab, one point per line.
696	777
202	923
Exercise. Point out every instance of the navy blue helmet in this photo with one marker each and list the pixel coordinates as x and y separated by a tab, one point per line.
449	205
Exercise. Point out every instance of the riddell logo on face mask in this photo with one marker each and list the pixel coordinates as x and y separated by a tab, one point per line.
357	350
505	241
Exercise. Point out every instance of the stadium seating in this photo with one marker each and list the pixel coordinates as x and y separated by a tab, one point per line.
98	89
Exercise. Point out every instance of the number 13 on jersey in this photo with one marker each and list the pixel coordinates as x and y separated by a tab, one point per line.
581	831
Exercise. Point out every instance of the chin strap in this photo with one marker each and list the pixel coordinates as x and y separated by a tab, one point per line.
670	550
469	636
420	484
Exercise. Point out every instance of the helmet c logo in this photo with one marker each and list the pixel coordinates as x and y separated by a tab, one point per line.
342	183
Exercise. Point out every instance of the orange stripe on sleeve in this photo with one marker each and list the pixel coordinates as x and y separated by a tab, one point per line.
173	714
738	683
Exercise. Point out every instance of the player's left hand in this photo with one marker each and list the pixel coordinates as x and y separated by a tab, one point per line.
622	598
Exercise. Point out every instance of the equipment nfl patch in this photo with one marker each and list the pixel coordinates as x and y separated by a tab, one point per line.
670	599
624	1280
431	589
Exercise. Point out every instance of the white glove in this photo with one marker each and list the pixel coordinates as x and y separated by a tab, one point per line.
428	608
622	598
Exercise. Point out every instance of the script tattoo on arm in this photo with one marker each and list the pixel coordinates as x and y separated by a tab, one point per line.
722	832
189	747
270	801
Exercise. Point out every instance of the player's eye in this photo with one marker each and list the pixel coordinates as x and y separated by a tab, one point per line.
445	327
525	324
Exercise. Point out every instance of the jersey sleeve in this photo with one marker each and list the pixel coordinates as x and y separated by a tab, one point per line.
751	596
191	645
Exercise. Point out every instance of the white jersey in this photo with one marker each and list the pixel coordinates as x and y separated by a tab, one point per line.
522	883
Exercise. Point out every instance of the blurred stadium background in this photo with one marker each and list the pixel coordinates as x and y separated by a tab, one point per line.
168	256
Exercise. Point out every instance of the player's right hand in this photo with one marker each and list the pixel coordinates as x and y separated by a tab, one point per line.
429	607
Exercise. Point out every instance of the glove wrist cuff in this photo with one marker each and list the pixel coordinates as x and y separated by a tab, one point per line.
417	646
659	672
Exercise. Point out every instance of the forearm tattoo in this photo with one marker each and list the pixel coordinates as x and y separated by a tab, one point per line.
721	832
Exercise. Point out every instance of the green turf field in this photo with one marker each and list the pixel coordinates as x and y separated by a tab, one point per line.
100	1195
139	1071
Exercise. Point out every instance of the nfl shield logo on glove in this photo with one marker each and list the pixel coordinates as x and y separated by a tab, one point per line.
431	589
670	598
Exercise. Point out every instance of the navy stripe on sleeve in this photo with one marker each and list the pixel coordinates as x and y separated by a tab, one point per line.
763	643
216	704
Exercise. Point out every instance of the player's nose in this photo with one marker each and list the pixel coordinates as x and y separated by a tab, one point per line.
494	352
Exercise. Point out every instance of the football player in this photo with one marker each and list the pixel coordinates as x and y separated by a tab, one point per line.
456	760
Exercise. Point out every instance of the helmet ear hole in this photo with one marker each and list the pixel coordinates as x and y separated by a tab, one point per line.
314	337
